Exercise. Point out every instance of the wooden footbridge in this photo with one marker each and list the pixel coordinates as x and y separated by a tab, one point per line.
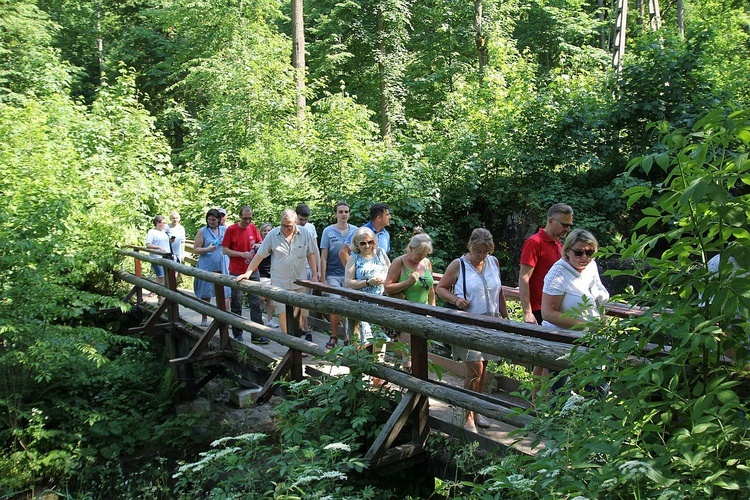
212	352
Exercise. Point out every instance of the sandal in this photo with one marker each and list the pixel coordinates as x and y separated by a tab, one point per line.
332	342
346	342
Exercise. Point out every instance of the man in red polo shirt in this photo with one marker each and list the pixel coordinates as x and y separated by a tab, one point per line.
538	254
240	243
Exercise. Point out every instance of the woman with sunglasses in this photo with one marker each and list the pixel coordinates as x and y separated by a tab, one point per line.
573	284
366	270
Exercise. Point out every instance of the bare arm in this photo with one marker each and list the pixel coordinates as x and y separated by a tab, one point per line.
447	282
503	306
551	312
313	261
431	293
349	280
323	264
198	248
251	267
235	253
524	275
344	254
392	285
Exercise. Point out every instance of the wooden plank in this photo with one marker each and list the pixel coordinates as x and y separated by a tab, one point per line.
204	358
281	369
399	458
393	426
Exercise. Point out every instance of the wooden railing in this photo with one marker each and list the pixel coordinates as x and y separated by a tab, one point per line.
526	344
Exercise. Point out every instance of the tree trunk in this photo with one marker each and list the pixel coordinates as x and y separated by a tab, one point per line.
681	18
641	13
481	42
298	56
621	23
654	15
99	43
385	119
603	31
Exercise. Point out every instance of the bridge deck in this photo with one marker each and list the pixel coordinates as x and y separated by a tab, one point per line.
443	417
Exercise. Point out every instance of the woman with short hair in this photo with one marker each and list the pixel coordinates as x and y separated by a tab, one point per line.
573	285
410	277
472	283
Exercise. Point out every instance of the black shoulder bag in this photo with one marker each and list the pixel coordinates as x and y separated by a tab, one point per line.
463	279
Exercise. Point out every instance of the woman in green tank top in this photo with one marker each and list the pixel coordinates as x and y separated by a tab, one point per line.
410	277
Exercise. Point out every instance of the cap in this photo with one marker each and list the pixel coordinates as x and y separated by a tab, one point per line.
222	211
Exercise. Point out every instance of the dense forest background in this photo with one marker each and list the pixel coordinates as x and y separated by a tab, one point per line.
457	114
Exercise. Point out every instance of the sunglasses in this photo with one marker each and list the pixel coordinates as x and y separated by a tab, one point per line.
564	224
365	243
580	253
423	280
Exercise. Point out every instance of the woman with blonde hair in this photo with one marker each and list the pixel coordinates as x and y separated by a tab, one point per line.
573	285
366	269
410	276
472	283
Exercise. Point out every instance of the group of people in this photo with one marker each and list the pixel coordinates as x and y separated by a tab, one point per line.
559	283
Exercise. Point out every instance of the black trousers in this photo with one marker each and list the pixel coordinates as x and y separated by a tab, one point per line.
256	313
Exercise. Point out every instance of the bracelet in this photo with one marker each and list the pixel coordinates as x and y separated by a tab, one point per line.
367	282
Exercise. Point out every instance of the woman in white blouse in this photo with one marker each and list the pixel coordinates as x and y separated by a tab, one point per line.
573	284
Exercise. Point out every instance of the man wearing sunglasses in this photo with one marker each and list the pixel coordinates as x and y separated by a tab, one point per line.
538	254
240	243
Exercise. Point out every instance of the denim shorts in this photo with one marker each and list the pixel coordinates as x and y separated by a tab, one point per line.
158	270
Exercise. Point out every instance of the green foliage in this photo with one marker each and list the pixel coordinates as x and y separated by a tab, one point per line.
667	424
342	408
72	399
324	428
251	466
29	65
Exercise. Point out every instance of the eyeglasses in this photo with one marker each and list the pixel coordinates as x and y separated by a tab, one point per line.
580	253
423	280
365	243
247	218
564	224
287	226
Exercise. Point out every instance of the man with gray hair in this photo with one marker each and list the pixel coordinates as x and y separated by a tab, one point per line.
291	248
538	254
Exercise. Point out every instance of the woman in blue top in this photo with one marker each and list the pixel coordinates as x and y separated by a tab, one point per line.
207	246
366	270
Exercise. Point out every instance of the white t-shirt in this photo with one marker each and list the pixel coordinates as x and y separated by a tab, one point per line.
158	238
576	288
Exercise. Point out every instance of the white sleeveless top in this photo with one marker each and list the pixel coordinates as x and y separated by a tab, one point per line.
482	289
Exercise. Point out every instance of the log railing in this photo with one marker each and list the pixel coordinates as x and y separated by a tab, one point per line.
526	344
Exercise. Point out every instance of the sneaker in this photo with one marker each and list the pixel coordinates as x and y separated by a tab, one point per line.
260	340
272	324
239	338
308	336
